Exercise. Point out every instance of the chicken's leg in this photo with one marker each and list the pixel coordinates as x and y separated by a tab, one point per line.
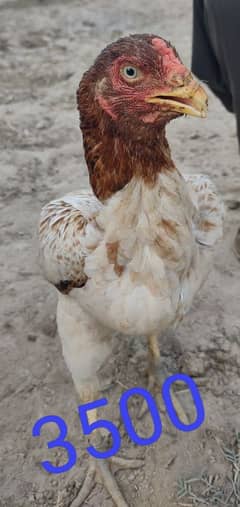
101	468
86	345
157	376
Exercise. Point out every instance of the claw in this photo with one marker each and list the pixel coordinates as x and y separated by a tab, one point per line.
108	480
111	485
86	488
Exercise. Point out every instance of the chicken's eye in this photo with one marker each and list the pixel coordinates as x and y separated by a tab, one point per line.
131	73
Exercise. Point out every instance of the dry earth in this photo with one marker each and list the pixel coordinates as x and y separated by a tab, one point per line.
44	48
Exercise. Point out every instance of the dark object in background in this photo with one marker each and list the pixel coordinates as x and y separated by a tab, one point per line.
216	47
215	56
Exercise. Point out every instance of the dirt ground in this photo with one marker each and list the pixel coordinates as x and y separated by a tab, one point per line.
44	48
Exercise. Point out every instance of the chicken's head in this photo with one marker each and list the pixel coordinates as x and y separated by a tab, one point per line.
141	79
135	86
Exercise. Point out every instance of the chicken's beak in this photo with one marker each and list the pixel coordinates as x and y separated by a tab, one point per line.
187	98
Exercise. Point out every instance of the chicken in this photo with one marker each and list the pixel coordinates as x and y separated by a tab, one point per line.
130	254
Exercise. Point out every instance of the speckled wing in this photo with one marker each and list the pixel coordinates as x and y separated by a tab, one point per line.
207	223
68	233
208	219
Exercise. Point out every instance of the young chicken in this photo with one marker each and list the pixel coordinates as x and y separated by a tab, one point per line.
130	254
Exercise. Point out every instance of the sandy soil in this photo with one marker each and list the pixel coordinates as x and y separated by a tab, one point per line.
44	48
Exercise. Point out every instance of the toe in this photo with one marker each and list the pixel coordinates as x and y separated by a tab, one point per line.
237	245
86	488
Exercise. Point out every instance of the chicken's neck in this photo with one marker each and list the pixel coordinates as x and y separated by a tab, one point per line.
114	158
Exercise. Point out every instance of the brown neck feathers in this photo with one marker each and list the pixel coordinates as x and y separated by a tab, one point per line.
115	152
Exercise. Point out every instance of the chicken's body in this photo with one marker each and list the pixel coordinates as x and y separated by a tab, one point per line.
130	256
142	255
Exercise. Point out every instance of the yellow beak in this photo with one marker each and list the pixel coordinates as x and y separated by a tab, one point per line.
190	99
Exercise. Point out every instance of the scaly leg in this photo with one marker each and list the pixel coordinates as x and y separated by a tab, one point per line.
101	468
157	376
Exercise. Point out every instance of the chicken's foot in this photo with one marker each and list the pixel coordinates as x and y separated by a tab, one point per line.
157	376
101	469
